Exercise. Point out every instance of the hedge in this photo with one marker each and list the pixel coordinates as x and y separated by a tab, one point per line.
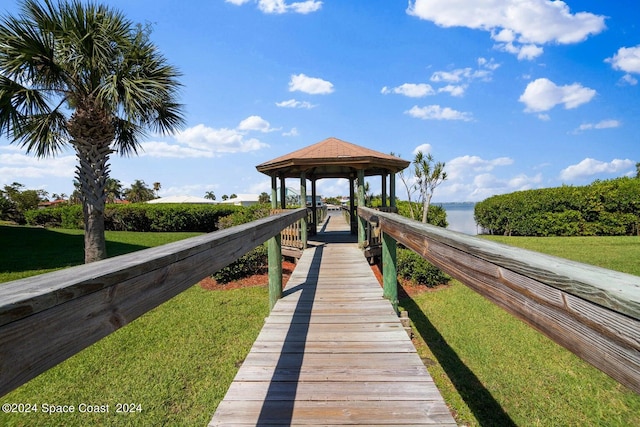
139	217
610	207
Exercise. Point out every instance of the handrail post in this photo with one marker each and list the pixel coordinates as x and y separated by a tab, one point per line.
275	270
389	270
274	252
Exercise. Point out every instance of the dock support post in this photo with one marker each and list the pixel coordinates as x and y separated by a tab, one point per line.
275	253
389	270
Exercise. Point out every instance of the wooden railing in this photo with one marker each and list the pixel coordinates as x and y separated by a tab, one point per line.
591	311
48	318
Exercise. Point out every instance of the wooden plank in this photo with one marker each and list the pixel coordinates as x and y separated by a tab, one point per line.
333	352
47	318
317	412
593	312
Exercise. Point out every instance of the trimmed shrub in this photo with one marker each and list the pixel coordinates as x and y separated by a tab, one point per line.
139	217
603	208
253	262
412	266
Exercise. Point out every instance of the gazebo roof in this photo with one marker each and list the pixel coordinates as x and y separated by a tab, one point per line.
332	158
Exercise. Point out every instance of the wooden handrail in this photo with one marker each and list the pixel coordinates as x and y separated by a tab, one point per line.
591	311
47	318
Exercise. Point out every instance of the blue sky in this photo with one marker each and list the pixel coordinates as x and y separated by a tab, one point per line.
510	94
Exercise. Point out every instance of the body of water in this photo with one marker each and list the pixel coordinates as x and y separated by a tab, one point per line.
460	217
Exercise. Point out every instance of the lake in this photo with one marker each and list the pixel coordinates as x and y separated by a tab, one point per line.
460	217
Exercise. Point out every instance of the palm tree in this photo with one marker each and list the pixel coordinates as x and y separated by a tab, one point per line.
156	187
138	192
113	190
84	76
210	195
429	175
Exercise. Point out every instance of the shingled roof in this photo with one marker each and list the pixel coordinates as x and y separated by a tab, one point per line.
332	158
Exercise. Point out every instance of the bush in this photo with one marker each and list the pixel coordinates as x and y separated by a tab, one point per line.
253	262
412	266
603	208
139	217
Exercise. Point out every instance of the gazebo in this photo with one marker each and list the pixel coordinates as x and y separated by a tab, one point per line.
334	158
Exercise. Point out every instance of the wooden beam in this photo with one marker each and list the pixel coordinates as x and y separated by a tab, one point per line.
591	311
48	318
389	270
362	232
303	204
274	251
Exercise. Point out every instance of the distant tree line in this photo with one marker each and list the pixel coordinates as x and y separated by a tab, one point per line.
610	207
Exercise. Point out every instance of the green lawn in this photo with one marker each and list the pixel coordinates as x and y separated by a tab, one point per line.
493	369
178	360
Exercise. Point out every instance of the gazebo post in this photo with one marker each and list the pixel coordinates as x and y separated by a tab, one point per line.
303	204
392	190
352	204
361	222
275	253
384	189
283	192
314	208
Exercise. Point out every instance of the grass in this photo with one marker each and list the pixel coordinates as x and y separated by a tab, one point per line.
493	369
176	361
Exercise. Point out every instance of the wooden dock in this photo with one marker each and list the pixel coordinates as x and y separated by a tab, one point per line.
332	351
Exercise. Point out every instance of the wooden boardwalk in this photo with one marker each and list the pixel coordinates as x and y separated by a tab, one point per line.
332	351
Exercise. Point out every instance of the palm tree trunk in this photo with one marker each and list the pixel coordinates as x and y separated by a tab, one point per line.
92	173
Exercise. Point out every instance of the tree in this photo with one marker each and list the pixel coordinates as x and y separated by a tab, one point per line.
409	186
17	200
225	197
156	187
113	190
209	195
429	175
139	192
84	76
264	198
638	170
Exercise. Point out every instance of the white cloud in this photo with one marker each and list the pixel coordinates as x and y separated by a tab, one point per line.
629	79
472	178
589	167
203	141
465	165
454	90
604	124
627	59
281	6
519	26
411	90
458	80
310	85
436	112
425	148
292	132
542	95
256	123
292	103
17	165
166	150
